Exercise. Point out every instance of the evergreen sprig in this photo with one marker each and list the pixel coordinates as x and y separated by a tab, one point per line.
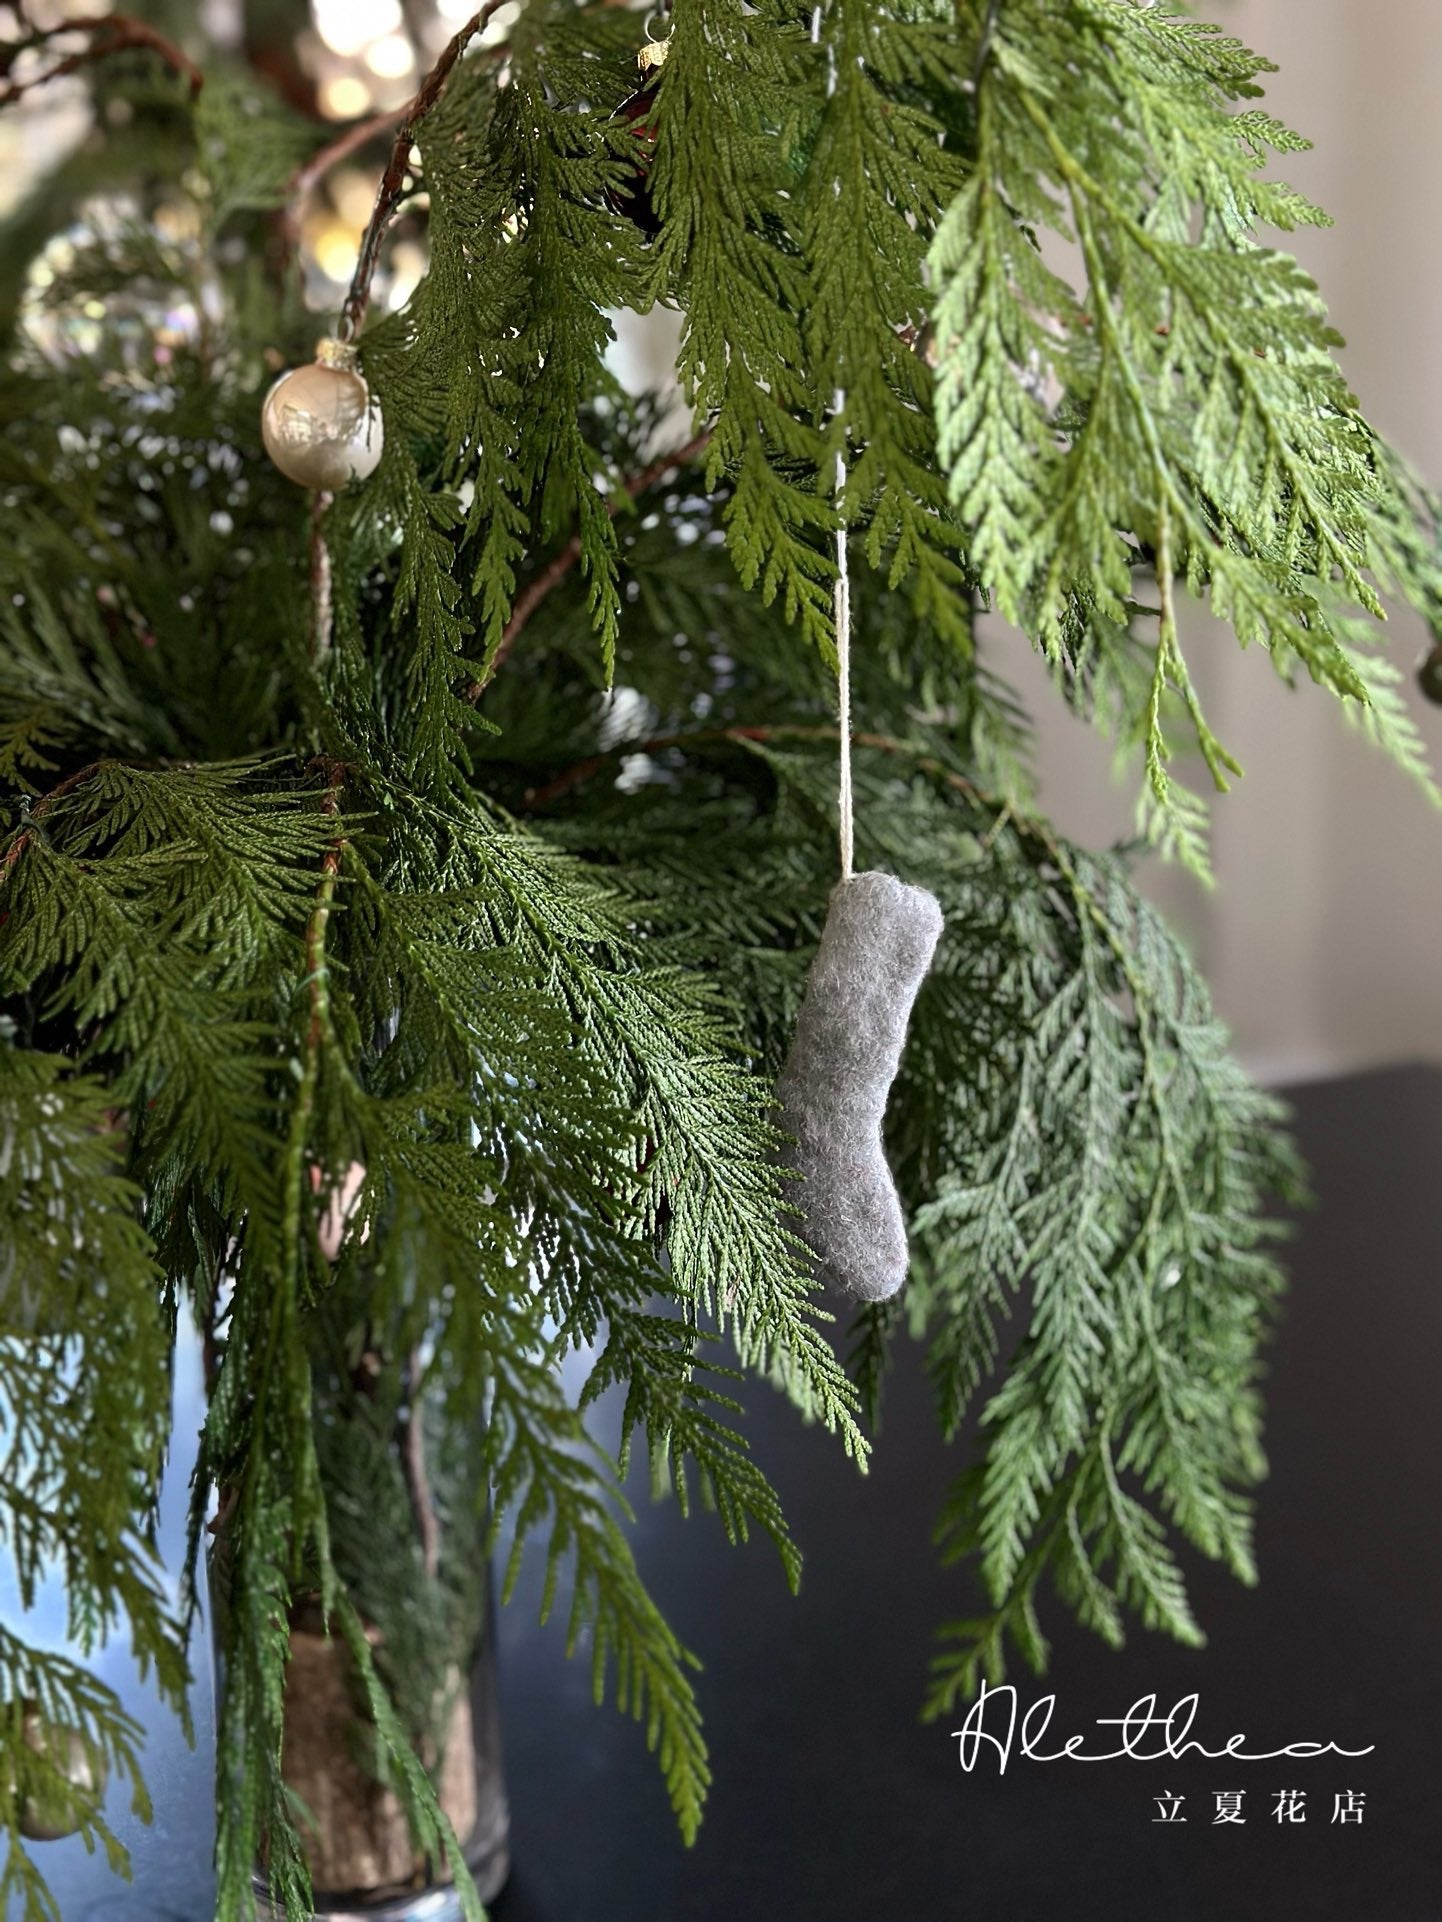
84	1424
1179	412
879	175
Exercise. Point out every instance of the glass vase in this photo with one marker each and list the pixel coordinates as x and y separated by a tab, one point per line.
356	1838
406	1502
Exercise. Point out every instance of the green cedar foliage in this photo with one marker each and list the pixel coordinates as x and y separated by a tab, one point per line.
85	1417
516	922
1132	379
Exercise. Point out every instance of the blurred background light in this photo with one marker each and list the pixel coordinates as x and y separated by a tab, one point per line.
391	57
349	27
344	96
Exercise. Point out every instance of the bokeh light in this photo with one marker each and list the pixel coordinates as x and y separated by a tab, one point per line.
344	96
348	27
350	60
391	57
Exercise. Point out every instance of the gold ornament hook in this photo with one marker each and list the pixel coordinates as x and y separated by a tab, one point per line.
654	53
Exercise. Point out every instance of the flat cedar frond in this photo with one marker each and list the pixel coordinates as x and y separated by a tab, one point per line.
878	176
1120	1177
721	180
1179	410
545	1472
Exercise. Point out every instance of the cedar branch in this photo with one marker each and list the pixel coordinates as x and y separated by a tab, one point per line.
22	840
561	563
393	180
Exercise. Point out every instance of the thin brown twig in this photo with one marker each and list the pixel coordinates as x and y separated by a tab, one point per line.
321	604
22	841
393	180
309	175
112	33
316	972
350	141
566	558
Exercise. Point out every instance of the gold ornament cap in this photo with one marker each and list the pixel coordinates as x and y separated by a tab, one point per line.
337	353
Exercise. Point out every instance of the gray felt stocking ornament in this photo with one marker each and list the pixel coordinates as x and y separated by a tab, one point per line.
875	950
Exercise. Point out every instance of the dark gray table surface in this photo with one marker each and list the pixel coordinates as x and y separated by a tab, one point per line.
832	1801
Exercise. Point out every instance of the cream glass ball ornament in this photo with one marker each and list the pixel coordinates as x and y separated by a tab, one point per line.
319	423
51	1813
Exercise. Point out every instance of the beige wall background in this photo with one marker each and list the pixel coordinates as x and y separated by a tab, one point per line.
1323	939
